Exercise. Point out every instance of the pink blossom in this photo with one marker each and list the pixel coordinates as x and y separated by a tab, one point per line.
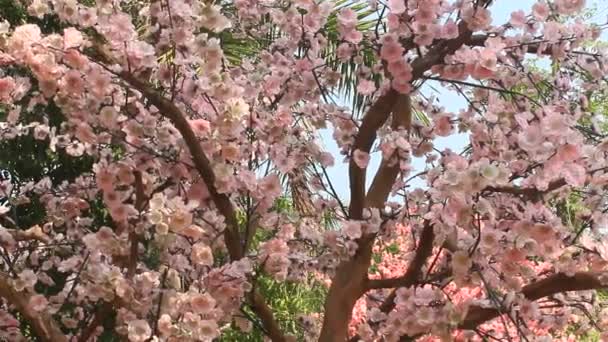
366	87
540	10
568	152
518	19
400	70
23	38
449	30
488	59
164	325
391	51
569	6
347	17
180	219
476	17
443	125
270	186
72	38
531	138
38	8
139	331
121	212
201	254
574	174
73	83
551	31
26	280
41	132
344	52
352	230
361	158
7	86
243	324
397	6
218	140
401	85
208	330
202	303
38	302
105	179
87	16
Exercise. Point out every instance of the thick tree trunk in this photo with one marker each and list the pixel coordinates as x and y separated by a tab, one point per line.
348	285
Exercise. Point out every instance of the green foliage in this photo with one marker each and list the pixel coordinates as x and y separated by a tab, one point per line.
392	249
368	22
13	12
590	335
29	159
567	210
288	300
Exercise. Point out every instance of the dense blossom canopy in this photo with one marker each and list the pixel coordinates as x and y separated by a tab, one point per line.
192	149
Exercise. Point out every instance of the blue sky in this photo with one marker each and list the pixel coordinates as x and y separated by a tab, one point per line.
451	101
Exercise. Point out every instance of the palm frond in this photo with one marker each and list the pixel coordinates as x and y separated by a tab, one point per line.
367	24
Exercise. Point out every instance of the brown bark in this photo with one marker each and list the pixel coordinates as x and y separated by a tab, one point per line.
414	270
375	118
385	177
43	325
551	285
140	202
411	276
98	317
350	281
348	285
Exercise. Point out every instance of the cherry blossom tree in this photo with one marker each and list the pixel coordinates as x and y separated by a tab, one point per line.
177	220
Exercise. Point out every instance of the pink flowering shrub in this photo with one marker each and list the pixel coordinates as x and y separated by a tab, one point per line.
176	228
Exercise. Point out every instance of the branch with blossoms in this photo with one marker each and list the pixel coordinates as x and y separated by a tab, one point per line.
414	270
347	289
202	164
557	283
43	324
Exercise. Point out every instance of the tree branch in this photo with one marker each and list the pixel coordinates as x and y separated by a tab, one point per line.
98	317
33	233
532	193
140	202
350	281
373	120
414	270
202	164
411	276
530	47
551	285
43	324
387	173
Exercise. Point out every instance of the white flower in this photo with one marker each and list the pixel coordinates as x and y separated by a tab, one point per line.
4	27
236	108
139	330
489	172
5	208
155	216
